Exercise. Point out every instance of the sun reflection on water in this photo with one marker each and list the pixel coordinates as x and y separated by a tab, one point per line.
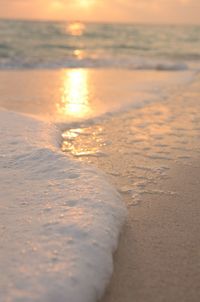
79	54
91	136
76	28
75	94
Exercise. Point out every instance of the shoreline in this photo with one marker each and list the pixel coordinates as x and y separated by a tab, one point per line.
151	156
157	258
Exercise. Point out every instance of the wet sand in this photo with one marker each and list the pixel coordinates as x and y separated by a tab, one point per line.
158	258
158	254
152	156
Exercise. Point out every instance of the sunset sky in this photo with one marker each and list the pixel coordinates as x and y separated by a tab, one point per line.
153	11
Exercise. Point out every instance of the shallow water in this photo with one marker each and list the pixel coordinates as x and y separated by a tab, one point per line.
74	95
60	219
137	148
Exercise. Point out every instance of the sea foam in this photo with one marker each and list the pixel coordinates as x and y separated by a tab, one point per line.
60	219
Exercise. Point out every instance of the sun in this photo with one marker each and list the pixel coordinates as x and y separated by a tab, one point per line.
59	4
85	3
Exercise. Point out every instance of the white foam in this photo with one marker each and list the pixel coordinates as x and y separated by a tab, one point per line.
60	220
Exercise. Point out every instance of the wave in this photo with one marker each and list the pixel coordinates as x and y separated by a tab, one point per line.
56	45
62	218
123	63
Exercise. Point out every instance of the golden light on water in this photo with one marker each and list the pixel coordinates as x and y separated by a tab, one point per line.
79	54
76	28
75	94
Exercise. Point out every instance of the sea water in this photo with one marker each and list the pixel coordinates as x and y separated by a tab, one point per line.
60	218
63	44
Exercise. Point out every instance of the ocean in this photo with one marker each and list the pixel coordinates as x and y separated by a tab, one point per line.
62	45
59	82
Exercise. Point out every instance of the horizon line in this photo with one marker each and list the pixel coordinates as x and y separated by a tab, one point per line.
100	22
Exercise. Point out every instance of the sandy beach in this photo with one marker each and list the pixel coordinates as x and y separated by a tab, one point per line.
152	157
151	154
158	254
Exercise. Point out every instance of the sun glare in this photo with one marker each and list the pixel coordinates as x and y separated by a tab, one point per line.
76	28
75	95
85	3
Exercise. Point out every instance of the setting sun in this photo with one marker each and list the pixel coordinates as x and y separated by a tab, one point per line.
85	3
152	11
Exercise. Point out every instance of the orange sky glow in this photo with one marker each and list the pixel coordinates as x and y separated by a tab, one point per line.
142	11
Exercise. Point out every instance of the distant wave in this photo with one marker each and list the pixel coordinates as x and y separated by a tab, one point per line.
136	64
51	45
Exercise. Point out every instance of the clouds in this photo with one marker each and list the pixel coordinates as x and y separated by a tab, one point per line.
156	11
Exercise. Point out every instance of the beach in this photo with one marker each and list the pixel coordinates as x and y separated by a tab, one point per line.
153	160
158	253
149	151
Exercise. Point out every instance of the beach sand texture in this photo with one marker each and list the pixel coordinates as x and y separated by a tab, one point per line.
152	157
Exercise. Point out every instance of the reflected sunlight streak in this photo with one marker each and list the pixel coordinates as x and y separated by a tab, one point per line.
75	96
76	28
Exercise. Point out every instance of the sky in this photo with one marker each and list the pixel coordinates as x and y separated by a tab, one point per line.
138	11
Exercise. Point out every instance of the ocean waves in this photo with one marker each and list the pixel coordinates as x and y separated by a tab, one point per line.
50	45
7	63
60	219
